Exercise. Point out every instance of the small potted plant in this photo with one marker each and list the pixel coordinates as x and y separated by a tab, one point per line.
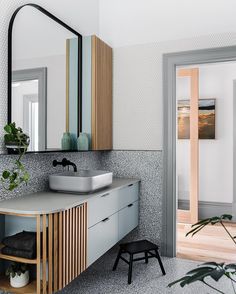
16	141
19	274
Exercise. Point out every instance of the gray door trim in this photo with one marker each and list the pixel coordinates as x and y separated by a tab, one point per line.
41	75
234	150
170	61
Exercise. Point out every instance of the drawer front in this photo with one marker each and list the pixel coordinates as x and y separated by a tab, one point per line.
102	207
128	195
102	237
128	219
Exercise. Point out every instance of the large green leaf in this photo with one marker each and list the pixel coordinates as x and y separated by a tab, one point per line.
211	270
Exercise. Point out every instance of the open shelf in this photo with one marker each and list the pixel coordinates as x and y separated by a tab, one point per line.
16	259
6	287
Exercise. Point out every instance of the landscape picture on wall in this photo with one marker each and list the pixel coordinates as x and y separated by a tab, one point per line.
206	119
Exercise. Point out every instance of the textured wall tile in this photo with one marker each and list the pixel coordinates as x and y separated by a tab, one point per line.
144	165
147	166
40	166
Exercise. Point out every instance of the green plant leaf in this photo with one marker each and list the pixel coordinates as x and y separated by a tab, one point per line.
213	220
231	266
177	281
216	274
12	186
5	174
199	269
227	217
8	129
26	177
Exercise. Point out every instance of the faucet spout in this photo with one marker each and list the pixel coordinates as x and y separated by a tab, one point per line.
65	162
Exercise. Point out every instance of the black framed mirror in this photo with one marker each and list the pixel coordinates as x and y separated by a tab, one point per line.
44	78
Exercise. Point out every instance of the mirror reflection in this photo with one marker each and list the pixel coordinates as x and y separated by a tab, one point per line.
45	81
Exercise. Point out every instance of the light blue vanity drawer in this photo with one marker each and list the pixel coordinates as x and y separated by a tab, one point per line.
102	237
128	195
128	219
102	207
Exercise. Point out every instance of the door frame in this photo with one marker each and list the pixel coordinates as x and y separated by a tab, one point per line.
39	74
169	200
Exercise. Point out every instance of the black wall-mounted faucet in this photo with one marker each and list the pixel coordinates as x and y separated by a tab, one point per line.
65	162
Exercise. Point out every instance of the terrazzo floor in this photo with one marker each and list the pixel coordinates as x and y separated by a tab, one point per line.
147	278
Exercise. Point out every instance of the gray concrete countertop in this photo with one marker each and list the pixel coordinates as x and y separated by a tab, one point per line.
52	202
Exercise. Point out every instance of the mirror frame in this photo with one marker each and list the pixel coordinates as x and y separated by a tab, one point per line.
53	17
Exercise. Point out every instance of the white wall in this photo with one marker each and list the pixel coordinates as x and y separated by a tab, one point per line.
130	22
36	35
137	89
141	31
215	156
18	93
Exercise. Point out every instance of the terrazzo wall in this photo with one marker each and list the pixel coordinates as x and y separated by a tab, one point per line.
145	165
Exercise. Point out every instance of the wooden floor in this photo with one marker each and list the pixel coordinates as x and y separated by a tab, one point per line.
210	244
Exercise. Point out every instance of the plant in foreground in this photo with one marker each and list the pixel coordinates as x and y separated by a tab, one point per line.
15	176
211	270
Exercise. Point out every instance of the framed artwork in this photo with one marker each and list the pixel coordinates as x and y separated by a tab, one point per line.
206	119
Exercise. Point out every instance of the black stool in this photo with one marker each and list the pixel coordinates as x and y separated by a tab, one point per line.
142	246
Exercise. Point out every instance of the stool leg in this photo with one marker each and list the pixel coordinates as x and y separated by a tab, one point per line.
146	257
130	269
117	260
160	262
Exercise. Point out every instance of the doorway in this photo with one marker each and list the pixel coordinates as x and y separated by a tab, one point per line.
184	64
29	94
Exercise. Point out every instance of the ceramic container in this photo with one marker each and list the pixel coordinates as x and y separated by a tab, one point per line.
83	142
20	281
66	141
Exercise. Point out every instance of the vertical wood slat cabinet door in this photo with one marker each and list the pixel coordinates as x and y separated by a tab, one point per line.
55	252
50	253
64	248
44	254
38	269
101	95
60	264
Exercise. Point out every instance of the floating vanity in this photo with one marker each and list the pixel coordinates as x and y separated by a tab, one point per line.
72	231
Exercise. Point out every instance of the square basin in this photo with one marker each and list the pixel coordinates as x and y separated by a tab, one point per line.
82	181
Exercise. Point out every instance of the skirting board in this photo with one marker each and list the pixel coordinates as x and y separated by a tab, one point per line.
208	209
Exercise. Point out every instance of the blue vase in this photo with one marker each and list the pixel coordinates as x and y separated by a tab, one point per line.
66	141
83	142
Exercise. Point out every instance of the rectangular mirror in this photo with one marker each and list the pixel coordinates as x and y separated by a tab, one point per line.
45	68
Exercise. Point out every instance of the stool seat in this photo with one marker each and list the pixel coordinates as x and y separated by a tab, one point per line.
149	249
138	246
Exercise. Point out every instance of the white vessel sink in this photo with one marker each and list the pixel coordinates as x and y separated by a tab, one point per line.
82	181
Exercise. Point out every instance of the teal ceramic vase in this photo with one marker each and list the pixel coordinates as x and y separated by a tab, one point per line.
83	142
66	141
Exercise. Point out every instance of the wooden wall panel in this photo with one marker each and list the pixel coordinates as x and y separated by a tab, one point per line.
101	95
